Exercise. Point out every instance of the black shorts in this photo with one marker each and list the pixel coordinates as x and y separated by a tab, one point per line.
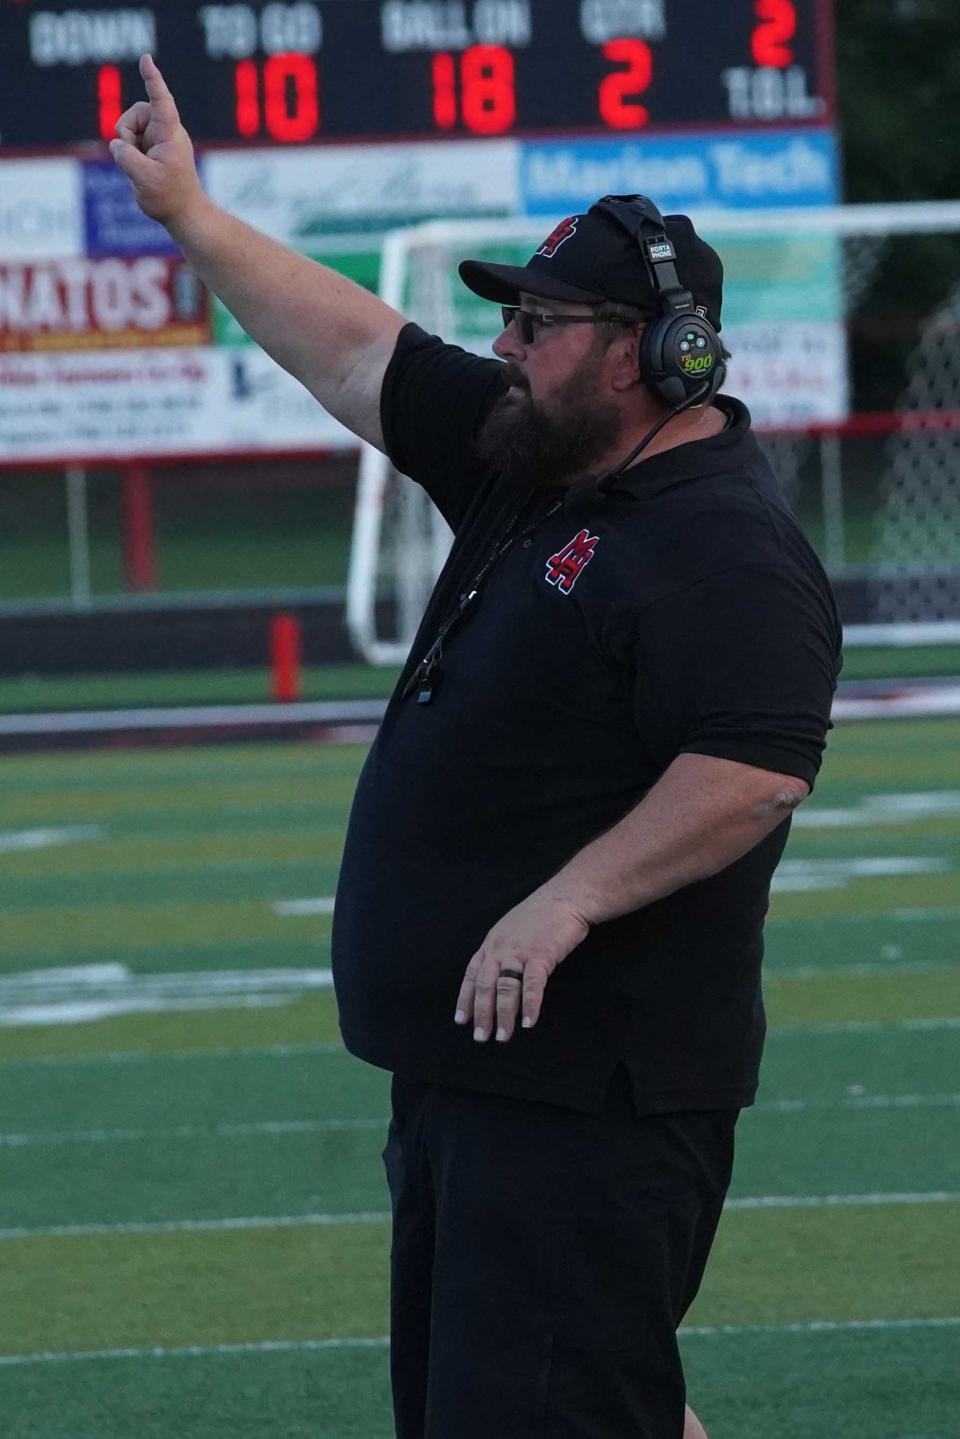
542	1259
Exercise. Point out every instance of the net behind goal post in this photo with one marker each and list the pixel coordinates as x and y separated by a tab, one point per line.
809	295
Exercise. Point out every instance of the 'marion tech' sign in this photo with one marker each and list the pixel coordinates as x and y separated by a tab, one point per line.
81	304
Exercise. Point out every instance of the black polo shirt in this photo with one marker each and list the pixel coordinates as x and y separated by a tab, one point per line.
685	613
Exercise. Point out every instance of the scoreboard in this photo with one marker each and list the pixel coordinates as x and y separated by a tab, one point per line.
309	71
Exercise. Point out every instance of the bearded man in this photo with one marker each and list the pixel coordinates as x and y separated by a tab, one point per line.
550	910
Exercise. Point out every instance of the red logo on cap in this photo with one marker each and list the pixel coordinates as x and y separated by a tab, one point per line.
564	230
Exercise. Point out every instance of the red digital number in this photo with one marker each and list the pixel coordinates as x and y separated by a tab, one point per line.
487	101
292	103
290	107
620	91
778	24
109	100
489	94
444	92
247	86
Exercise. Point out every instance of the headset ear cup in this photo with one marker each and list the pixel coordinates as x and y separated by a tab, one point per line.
675	366
651	364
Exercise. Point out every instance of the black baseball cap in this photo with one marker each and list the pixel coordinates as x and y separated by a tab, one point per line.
590	258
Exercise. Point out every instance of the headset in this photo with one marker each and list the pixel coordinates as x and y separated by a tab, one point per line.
681	355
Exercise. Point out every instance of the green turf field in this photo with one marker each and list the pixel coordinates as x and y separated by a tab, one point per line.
192	1233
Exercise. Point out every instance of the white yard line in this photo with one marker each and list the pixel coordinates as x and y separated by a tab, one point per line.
881	809
818	1326
295	1346
807	876
864	971
14	841
147	1056
195	1226
892	916
913	916
296	908
268	1127
196	1351
304	1221
77	994
859	1102
863	1026
831	1201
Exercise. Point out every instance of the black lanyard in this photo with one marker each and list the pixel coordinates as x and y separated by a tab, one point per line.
427	675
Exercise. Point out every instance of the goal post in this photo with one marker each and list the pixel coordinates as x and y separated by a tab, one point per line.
820	304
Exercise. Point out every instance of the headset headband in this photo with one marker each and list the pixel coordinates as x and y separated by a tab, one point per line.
644	222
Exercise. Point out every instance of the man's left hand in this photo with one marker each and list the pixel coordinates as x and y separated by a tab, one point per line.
530	940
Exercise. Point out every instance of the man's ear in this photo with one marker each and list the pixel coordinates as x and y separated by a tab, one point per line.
624	355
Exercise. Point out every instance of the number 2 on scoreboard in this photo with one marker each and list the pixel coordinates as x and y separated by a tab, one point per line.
620	92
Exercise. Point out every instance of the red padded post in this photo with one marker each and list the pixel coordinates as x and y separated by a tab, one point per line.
285	650
139	556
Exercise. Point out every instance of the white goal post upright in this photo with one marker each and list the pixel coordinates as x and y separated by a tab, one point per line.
382	558
399	540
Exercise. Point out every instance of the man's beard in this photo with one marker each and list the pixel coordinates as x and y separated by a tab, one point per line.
532	447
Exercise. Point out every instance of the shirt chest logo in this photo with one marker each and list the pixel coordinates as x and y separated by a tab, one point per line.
567	565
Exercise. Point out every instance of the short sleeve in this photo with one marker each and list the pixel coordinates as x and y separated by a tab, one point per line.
742	665
434	398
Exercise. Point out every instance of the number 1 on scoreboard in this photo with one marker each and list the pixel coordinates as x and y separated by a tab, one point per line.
109	101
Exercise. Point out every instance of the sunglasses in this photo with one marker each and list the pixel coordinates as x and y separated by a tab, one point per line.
531	322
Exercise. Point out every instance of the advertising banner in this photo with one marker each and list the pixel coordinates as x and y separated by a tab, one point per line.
265	408
789	374
41	209
122	404
301	196
682	172
109	347
784	324
101	304
113	222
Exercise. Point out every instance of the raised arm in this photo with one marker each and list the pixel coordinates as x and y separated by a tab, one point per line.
331	334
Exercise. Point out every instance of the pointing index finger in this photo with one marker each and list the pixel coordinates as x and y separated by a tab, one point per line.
157	89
